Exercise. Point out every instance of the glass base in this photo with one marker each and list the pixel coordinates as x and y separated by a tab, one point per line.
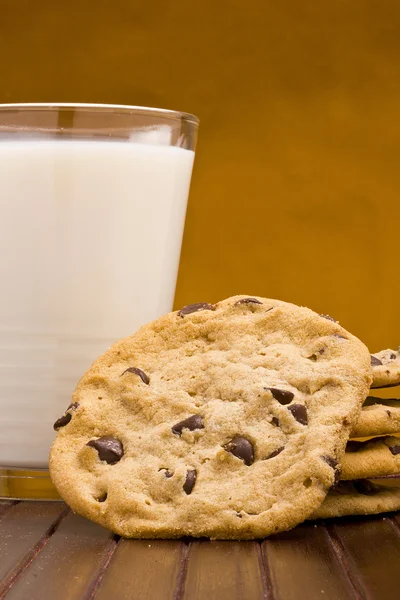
26	484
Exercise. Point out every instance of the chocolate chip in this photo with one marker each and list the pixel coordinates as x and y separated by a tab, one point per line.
354	446
333	463
392	356
190	481
275	421
167	473
66	418
248	301
329	318
389	414
275	453
299	412
283	396
241	448
375	362
62	421
394	450
191	308
102	498
109	448
191	423
365	487
142	374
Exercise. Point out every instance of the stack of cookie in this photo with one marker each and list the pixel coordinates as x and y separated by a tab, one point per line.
370	479
226	420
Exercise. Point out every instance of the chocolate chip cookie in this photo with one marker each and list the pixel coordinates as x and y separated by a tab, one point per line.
360	497
386	368
225	420
371	458
379	416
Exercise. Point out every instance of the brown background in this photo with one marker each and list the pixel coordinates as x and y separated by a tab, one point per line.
296	186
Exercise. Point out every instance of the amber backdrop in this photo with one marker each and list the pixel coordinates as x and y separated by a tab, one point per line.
296	185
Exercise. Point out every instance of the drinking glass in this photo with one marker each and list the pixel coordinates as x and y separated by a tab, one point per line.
93	201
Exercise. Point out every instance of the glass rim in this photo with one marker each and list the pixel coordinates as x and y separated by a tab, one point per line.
122	108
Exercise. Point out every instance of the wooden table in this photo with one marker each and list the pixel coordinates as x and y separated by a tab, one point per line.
48	552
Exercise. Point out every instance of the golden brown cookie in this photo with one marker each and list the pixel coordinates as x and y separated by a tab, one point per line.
372	458
360	497
223	420
379	416
385	368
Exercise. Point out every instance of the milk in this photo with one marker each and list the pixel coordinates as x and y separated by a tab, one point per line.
90	237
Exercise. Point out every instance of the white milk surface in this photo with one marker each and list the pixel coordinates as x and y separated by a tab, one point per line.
90	238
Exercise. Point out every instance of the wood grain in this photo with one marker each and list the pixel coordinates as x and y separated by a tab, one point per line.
303	559
372	546
47	553
5	505
23	530
69	565
142	569
223	571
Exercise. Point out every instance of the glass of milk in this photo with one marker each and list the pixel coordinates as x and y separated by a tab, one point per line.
93	201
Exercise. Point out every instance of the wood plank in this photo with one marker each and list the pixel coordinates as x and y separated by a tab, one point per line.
23	529
302	563
142	569
5	505
223	571
69	565
373	549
